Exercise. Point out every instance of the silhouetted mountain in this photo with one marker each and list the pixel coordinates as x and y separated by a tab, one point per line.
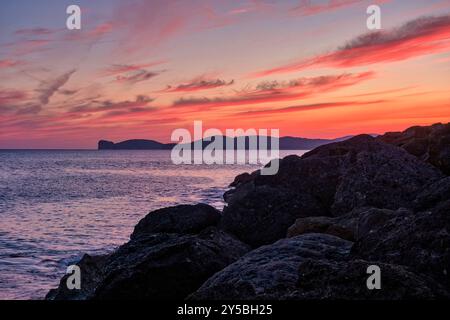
138	144
285	143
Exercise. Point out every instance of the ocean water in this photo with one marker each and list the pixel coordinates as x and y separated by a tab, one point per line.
57	205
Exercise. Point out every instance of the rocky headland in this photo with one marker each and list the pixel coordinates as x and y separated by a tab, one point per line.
308	232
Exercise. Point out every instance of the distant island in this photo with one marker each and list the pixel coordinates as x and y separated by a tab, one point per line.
285	143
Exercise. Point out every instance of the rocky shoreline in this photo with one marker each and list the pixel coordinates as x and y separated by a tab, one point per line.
308	232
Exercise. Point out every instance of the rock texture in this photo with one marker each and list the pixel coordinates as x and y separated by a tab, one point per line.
431	144
308	267
183	219
419	240
308	232
343	227
331	180
271	272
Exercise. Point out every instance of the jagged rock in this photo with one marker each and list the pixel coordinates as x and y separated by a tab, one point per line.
182	219
331	180
271	272
418	240
431	144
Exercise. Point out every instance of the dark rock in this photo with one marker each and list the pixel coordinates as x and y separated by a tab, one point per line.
331	180
182	219
156	266
433	194
271	272
105	145
135	144
343	227
91	269
369	220
418	240
431	144
312	266
167	266
337	280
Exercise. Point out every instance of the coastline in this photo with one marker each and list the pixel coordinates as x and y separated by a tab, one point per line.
335	210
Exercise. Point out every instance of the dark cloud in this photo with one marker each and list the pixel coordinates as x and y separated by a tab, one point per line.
127	106
137	76
34	32
48	88
199	85
275	91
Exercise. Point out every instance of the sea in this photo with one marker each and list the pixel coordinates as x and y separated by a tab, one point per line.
56	205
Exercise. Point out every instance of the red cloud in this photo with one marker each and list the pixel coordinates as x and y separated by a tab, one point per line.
277	92
306	8
419	37
8	63
11	96
199	85
309	107
124	68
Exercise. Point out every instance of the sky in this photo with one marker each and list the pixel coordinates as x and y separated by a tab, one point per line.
139	69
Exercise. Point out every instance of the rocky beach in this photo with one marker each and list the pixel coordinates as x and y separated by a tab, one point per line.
308	232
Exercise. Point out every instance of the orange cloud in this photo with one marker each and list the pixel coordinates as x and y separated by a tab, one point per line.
423	36
198	85
308	107
278	92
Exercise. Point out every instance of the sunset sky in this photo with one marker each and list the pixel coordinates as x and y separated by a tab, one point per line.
142	68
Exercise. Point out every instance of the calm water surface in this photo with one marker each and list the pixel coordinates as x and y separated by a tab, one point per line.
57	205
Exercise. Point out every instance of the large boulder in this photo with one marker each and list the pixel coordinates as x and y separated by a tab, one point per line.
271	272
168	257
312	266
167	266
182	219
419	240
347	280
331	180
431	144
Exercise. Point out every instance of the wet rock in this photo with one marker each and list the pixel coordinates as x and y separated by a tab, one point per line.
182	219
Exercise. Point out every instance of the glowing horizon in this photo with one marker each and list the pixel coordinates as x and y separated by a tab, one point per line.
140	69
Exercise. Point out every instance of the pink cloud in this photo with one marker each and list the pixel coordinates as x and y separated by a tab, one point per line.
278	92
423	36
